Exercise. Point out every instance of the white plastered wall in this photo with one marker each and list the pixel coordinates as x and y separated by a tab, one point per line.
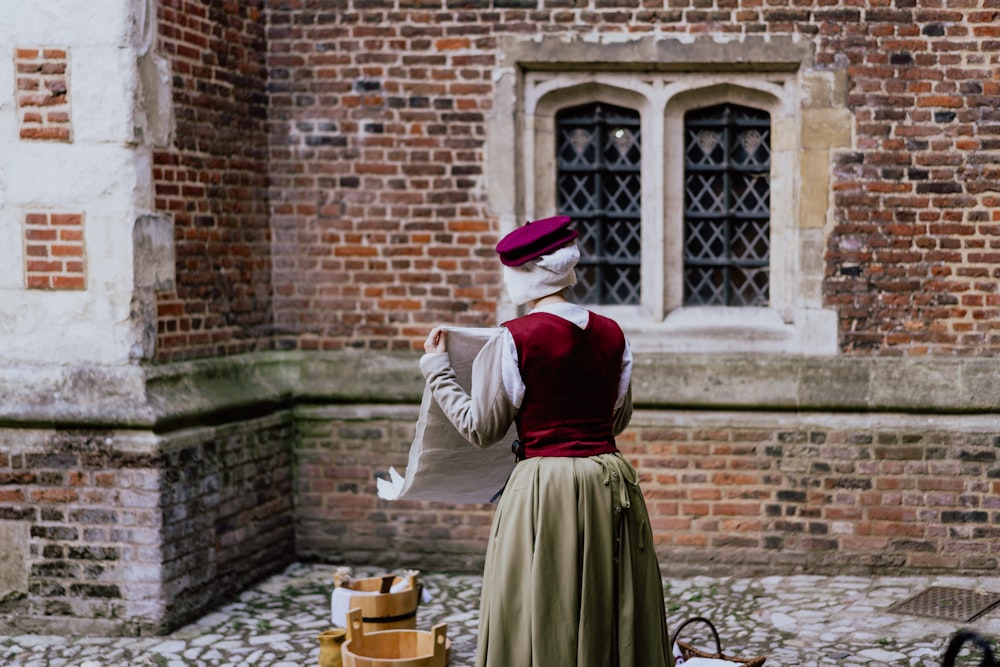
104	174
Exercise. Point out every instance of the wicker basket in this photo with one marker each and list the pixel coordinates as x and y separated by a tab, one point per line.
394	648
688	651
977	640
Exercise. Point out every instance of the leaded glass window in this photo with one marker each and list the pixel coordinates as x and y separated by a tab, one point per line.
598	185
727	212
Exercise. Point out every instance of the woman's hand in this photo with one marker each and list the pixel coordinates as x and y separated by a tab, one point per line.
435	340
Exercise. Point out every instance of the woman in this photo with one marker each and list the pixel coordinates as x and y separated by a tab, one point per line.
571	576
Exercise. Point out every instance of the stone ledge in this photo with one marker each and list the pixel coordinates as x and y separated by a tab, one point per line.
865	384
776	53
166	397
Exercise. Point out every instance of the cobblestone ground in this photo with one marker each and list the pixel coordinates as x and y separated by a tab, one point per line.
807	621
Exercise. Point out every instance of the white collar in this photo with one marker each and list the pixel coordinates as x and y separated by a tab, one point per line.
571	312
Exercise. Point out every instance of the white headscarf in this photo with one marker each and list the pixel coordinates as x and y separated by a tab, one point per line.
543	276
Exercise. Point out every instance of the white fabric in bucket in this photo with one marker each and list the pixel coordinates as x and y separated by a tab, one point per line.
340	600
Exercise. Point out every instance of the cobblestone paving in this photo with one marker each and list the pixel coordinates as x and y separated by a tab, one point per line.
808	621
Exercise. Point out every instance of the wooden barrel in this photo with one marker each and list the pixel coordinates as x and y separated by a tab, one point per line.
381	607
395	648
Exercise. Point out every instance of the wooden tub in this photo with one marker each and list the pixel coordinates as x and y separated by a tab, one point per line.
395	648
386	603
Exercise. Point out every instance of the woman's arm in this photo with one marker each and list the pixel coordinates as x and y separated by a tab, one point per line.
483	417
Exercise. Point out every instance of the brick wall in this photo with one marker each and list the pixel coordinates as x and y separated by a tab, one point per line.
128	539
377	163
213	180
54	251
227	506
860	494
777	493
92	513
914	255
43	93
377	196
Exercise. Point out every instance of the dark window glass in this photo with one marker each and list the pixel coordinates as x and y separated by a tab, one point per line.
727	209
598	185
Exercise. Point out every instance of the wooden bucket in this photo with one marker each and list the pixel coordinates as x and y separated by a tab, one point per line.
395	648
385	610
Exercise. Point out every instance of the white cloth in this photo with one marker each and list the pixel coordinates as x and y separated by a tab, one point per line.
340	604
442	465
699	661
540	277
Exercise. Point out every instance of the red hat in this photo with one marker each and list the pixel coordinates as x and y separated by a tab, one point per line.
535	239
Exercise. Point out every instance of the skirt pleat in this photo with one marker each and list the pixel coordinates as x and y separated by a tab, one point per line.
571	576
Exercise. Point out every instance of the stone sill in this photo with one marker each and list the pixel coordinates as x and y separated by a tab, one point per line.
746	331
166	397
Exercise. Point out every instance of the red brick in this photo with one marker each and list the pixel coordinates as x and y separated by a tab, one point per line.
53	496
65	250
66	219
69	282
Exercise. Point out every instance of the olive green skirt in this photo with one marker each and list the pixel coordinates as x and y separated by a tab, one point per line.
571	576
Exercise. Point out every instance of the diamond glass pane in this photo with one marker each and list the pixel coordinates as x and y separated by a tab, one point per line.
706	147
749	286
623	193
600	188
585	290
727	208
589	239
578	194
751	194
705	193
752	148
704	239
623	283
750	240
577	147
622	147
706	284
621	240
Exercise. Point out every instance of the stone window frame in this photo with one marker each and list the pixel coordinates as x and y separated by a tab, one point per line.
662	78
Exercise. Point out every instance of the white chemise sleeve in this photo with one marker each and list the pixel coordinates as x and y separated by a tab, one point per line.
512	381
626	377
